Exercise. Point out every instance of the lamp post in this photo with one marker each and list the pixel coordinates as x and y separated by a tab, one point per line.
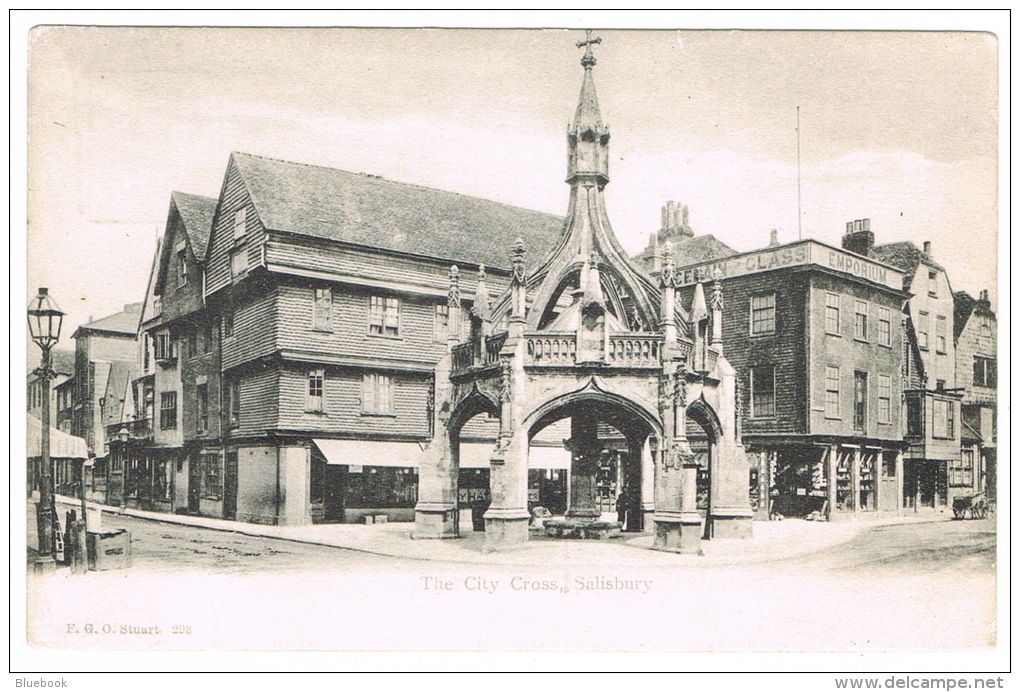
44	322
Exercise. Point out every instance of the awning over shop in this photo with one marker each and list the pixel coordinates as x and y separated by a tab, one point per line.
62	445
473	455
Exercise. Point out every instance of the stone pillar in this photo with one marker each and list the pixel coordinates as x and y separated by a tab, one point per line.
436	514
584	460
506	521
730	514
678	526
830	479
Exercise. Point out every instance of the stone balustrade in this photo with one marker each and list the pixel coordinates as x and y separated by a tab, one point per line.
634	350
547	348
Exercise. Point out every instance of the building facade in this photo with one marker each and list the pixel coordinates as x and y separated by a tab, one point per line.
815	334
975	332
932	399
99	344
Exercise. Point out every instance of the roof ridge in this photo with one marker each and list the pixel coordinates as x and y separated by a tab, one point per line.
374	176
192	194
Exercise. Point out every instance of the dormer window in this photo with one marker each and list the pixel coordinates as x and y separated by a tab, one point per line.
240	223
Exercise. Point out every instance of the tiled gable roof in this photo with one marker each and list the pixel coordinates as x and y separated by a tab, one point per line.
124	322
197	214
963	308
371	211
905	256
688	251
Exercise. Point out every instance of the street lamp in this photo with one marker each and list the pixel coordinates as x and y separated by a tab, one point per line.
44	322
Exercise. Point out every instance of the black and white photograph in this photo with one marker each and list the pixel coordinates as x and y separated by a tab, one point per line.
660	339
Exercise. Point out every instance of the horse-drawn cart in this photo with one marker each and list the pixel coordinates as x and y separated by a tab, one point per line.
976	505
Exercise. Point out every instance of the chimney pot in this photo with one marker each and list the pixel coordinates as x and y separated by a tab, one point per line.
984	295
927	247
867	224
849	227
857	225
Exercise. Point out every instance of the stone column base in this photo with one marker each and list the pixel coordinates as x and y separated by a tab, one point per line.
505	529
435	520
583	514
678	532
731	524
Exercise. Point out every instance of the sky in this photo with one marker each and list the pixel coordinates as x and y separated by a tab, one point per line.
898	127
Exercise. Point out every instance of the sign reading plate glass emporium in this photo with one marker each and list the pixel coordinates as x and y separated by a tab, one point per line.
804	252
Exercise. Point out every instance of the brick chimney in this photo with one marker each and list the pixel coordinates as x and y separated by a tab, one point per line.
675	221
858	237
927	247
983	299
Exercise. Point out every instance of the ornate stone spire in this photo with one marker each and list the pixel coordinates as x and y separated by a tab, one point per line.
519	276
453	295
630	299
588	136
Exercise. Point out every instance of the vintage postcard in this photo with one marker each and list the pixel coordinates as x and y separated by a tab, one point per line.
511	340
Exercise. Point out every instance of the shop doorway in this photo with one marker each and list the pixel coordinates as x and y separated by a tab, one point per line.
924	485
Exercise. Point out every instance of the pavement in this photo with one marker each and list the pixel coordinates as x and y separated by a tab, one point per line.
771	541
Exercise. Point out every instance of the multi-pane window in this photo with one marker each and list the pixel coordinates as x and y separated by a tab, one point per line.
763	314
240	222
940	334
234	402
933	283
860	400
984	372
316	390
884	327
384	316
228	323
832	313
763	391
884	399
376	393
922	330
182	268
442	324
943	419
211	466
914	417
168	410
961	471
831	391
322	309
202	407
860	320
164	347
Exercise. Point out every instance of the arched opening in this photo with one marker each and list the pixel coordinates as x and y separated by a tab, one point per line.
703	432
473	429
603	442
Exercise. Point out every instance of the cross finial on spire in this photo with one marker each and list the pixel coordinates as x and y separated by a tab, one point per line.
588	59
